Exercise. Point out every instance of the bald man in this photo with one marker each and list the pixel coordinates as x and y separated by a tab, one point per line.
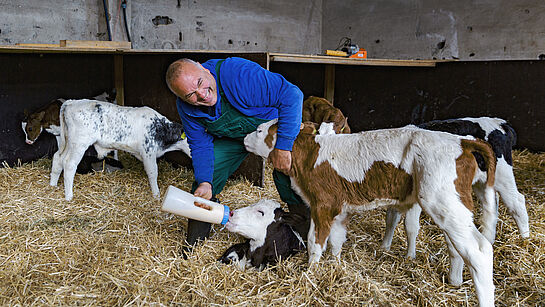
221	101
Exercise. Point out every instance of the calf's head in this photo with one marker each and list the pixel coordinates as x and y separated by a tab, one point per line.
251	222
261	142
32	126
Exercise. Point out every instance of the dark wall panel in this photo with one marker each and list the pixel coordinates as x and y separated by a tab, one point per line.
380	97
375	97
29	81
308	77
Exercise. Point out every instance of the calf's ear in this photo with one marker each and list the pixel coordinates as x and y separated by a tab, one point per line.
41	115
278	214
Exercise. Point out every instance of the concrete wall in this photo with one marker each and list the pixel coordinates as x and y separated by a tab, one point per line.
48	21
238	25
441	29
400	29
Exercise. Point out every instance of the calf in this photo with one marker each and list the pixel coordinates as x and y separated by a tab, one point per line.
336	174
502	137
47	118
320	110
271	232
142	132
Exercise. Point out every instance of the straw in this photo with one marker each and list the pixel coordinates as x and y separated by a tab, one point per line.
112	245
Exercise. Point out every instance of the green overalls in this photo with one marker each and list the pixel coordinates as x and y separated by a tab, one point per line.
229	152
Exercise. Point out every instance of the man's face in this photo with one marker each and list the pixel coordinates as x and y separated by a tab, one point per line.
196	86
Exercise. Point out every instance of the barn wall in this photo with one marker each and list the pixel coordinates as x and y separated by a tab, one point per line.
441	29
275	26
375	97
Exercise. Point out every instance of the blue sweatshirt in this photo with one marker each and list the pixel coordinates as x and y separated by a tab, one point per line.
253	91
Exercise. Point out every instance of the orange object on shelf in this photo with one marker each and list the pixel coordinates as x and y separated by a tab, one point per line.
361	54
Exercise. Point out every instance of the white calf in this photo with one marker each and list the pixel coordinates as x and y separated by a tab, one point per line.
142	132
338	173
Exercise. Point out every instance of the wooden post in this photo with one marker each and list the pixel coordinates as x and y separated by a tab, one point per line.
329	82
118	77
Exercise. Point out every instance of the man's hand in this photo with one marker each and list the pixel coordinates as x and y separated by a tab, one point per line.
281	160
204	191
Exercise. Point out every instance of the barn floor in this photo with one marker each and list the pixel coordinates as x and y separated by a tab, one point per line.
112	245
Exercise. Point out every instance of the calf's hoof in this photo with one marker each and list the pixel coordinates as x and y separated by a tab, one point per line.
385	247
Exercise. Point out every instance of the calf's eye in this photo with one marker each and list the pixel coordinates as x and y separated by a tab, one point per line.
261	212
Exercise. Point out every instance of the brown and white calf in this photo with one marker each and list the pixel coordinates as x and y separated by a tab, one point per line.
272	234
502	137
45	118
320	110
140	131
336	174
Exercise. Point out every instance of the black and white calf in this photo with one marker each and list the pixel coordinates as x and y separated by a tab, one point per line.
272	234
142	132
502	137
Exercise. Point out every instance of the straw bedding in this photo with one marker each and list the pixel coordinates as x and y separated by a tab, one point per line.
112	245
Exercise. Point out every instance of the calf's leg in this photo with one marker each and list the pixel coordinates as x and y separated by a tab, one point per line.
392	219
489	218
449	213
337	235
506	186
56	168
456	270
150	166
412	227
70	164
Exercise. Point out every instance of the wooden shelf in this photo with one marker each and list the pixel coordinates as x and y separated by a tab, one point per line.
52	48
324	59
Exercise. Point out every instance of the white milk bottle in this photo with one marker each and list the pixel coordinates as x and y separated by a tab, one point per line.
183	203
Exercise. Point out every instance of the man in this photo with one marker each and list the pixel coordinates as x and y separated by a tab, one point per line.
220	102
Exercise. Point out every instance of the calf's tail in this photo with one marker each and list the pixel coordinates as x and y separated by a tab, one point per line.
481	147
64	133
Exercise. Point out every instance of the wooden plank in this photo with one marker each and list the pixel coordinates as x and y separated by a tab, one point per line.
318	59
57	49
118	77
95	44
38	45
329	82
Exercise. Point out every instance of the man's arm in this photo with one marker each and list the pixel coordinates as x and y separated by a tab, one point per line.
202	148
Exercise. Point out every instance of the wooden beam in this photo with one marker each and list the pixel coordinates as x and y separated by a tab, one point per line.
95	44
37	45
329	82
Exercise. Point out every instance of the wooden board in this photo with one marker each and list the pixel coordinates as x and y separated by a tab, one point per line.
95	44
322	59
37	45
